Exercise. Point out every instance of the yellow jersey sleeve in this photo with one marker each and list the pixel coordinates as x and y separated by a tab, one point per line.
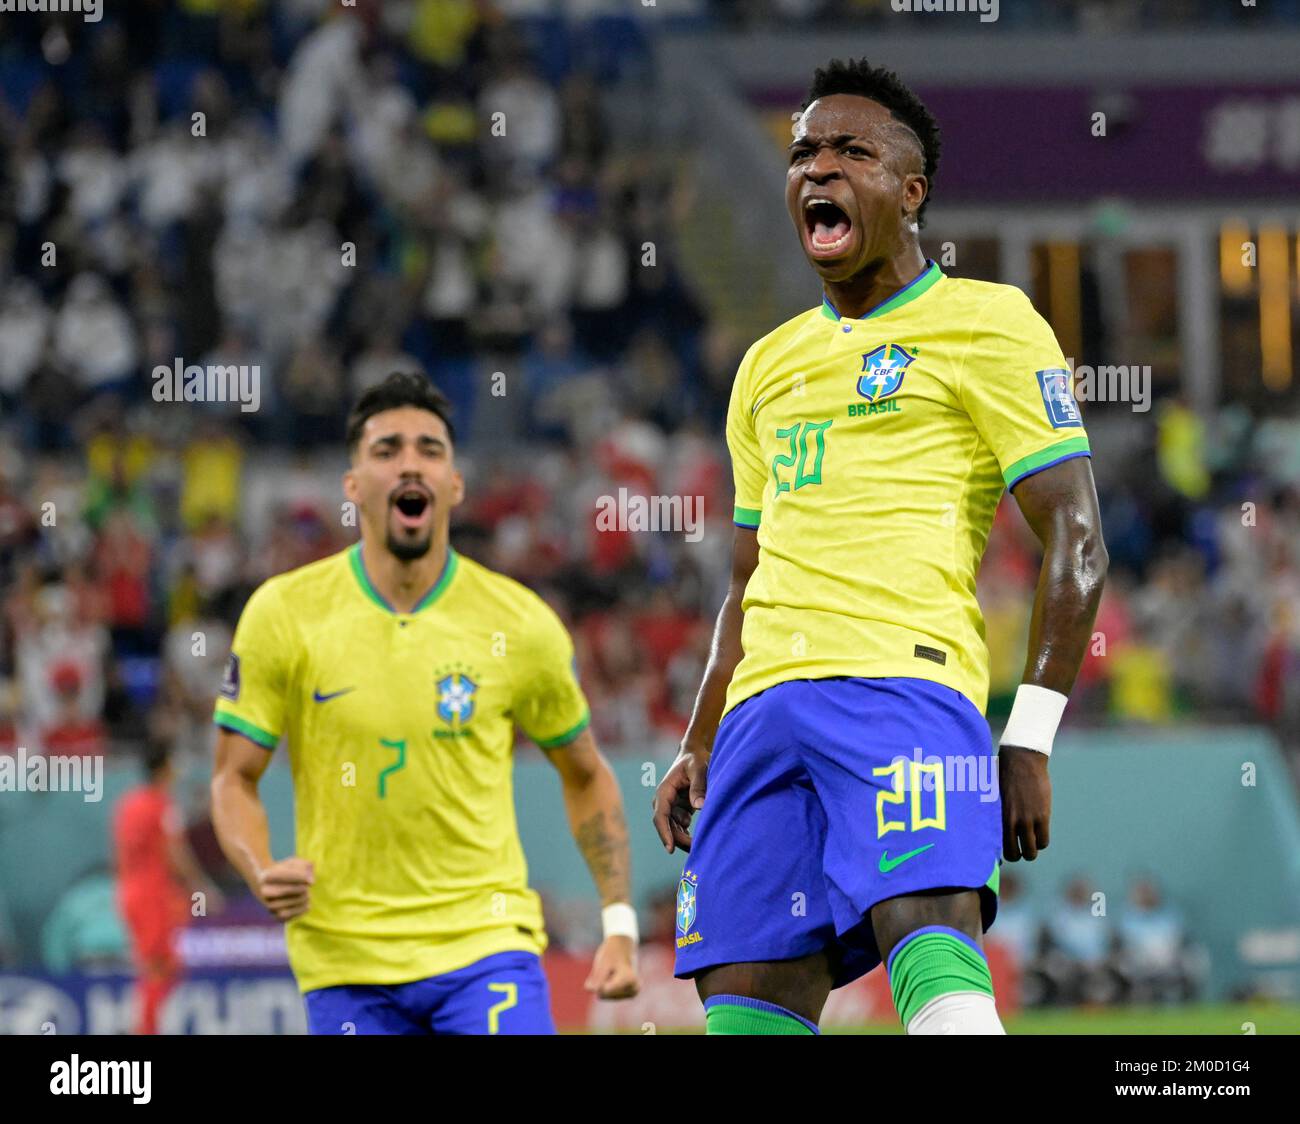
253	695
1016	387
549	706
747	469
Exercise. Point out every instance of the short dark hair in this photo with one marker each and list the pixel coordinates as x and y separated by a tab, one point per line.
401	388
884	86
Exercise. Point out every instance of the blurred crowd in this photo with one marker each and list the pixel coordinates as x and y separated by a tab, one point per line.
320	194
1200	616
1074	952
325	195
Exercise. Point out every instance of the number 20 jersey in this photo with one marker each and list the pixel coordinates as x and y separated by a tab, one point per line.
870	454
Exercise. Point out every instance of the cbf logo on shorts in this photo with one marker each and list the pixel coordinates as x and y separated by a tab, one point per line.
1062	409
686	909
883	370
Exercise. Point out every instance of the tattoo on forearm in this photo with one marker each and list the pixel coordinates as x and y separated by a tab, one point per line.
602	839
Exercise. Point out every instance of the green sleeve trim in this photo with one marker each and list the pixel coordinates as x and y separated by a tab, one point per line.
1062	450
253	733
567	736
747	516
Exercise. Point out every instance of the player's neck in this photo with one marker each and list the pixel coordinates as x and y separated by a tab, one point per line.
403	584
858	295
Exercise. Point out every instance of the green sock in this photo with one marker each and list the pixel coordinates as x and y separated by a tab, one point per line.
736	1014
932	962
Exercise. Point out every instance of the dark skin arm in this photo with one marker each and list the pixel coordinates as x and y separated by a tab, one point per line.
681	792
1060	506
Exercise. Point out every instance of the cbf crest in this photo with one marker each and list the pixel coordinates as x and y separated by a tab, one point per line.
686	909
882	371
457	699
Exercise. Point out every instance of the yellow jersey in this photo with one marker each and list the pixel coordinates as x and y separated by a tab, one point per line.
400	731
870	455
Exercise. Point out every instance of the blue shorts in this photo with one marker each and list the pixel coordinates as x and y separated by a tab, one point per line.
826	796
501	994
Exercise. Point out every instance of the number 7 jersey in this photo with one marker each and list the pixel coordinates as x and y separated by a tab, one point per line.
400	730
870	455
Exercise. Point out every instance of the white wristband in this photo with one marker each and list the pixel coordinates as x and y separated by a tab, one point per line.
1035	715
619	920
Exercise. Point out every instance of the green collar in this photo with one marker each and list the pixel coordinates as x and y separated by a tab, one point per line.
439	587
924	280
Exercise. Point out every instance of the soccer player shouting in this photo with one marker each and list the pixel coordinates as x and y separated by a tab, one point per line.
397	672
838	753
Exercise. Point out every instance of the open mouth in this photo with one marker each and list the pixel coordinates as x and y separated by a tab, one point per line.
412	505
827	227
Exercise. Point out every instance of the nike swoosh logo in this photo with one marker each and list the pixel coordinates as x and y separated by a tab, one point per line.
318	697
887	864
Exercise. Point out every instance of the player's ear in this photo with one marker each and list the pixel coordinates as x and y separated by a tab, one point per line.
917	190
914	192
350	485
458	488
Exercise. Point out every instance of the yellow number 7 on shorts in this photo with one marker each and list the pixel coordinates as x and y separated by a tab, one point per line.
511	991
